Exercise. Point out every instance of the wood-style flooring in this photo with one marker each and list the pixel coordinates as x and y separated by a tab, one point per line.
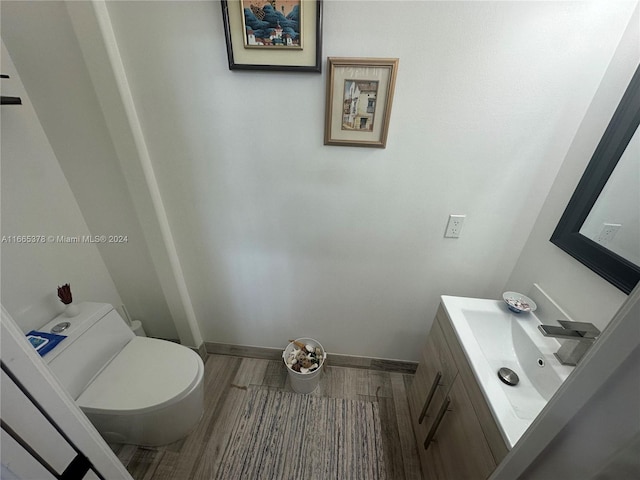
197	456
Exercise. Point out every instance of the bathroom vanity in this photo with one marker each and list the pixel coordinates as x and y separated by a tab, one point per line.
464	418
456	433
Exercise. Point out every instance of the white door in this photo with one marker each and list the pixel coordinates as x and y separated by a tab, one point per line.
44	434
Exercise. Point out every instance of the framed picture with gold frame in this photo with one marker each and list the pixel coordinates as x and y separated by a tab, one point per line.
359	99
281	35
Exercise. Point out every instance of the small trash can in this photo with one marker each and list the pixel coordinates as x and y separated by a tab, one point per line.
304	382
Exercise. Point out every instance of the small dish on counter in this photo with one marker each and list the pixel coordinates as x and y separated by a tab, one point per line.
519	303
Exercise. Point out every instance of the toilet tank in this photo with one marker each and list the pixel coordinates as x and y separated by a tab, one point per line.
96	335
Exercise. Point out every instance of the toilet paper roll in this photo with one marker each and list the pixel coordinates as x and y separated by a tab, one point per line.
136	326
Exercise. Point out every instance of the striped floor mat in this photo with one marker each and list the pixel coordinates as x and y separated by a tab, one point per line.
284	435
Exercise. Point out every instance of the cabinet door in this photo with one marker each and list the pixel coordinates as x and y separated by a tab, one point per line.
425	380
457	448
467	377
443	354
424	392
436	369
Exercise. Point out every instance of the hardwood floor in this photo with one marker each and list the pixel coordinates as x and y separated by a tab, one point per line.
198	455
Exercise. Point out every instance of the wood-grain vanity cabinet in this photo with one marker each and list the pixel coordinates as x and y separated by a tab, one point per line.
457	436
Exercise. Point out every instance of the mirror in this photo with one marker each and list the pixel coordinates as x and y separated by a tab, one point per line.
601	225
611	222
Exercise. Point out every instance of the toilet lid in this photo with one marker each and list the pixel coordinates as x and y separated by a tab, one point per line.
146	374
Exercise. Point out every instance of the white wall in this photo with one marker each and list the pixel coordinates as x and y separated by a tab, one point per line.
281	236
40	37
37	200
583	295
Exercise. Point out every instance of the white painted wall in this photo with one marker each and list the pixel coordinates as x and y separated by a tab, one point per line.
583	295
281	236
42	41
37	200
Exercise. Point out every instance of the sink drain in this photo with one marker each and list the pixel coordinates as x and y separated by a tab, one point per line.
508	376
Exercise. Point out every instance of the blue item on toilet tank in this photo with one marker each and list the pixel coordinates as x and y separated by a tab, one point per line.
44	342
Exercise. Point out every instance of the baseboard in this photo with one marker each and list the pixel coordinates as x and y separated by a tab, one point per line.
202	351
372	363
333	359
265	353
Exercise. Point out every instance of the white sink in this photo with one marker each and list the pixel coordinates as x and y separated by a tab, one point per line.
493	337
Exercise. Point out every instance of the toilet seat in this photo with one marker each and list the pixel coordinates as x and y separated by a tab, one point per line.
146	375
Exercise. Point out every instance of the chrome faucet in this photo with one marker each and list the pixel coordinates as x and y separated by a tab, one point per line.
583	335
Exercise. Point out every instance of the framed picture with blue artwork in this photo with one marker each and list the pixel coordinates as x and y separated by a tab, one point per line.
280	35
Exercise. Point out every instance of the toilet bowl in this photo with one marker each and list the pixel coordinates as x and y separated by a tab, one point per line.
136	390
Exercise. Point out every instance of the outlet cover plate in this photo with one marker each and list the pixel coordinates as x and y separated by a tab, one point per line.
454	226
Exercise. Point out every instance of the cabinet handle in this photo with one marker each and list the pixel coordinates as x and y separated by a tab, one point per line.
432	392
436	424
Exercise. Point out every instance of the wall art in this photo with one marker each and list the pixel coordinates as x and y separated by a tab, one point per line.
281	35
359	99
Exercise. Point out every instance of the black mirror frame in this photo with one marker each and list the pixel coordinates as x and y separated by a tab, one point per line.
614	268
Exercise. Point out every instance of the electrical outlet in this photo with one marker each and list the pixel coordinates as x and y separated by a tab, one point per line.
454	226
607	233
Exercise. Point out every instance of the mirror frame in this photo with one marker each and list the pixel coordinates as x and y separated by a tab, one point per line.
616	269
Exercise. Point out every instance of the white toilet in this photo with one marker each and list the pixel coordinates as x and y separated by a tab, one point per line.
136	390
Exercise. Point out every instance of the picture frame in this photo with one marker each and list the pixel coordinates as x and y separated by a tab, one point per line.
304	57
359	99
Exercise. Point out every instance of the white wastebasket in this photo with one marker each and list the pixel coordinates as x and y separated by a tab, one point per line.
304	382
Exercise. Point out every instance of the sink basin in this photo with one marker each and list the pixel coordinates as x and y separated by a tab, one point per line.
492	337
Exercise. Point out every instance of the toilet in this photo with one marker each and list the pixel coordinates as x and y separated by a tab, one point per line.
135	390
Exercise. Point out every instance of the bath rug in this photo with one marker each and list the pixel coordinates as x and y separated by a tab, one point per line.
284	435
